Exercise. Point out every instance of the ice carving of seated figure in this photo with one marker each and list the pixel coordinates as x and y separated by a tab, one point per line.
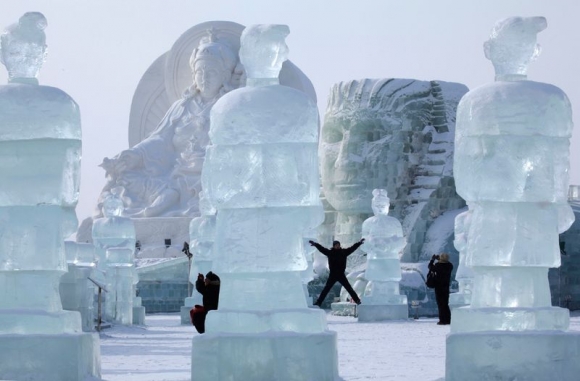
112	231
511	166
160	176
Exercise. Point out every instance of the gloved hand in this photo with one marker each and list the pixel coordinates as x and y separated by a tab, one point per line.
362	241
199	276
311	243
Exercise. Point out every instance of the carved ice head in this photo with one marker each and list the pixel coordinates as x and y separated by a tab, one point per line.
380	202
263	50
212	64
512	45
112	206
23	46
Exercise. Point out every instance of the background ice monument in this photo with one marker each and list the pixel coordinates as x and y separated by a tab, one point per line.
261	174
40	151
382	299
511	166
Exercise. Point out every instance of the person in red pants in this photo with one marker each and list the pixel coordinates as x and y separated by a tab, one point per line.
337	265
209	288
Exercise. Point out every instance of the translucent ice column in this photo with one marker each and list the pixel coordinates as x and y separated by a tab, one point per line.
464	275
261	174
201	241
76	290
40	151
384	242
113	232
511	166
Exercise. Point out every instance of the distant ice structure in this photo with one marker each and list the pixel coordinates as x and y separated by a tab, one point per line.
464	274
511	166
394	134
114	240
382	299
261	174
40	153
77	292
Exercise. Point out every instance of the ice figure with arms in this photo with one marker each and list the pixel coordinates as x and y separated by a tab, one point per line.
40	153
511	166
382	299
261	175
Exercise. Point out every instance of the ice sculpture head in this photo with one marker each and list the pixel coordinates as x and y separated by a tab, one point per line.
263	50
23	47
112	206
381	202
512	46
212	64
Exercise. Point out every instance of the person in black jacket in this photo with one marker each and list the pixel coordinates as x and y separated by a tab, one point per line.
443	268
209	288
337	265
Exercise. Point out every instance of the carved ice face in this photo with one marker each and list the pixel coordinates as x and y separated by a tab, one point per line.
264	50
354	154
112	206
209	76
380	202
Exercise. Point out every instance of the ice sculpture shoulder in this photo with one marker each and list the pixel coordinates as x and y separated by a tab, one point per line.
486	169
23	51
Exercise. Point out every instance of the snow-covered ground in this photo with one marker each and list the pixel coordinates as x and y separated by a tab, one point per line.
405	350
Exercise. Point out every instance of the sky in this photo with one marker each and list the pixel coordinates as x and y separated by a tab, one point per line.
98	51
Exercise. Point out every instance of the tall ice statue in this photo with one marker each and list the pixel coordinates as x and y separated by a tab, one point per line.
261	175
511	166
40	154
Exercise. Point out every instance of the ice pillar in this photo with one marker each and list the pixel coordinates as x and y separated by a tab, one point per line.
511	166
464	275
40	151
261	174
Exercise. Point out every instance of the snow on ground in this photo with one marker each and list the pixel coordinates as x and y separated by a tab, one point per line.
403	350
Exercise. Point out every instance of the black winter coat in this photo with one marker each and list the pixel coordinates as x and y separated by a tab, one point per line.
210	293
443	270
337	257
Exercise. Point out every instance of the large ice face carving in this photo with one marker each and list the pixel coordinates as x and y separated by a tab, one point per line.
354	157
23	46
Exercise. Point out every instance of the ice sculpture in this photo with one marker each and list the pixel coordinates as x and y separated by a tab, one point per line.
160	176
464	275
40	151
201	240
511	166
115	232
261	175
395	134
384	242
76	290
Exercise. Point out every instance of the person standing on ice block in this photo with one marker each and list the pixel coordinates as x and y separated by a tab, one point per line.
337	265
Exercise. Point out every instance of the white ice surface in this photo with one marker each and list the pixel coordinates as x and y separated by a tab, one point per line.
411	350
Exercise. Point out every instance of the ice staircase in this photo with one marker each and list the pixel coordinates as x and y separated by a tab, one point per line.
432	174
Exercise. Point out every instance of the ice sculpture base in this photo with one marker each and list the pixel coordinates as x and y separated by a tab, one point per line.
469	319
138	315
301	320
343	309
459	299
530	356
284	356
63	357
370	312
